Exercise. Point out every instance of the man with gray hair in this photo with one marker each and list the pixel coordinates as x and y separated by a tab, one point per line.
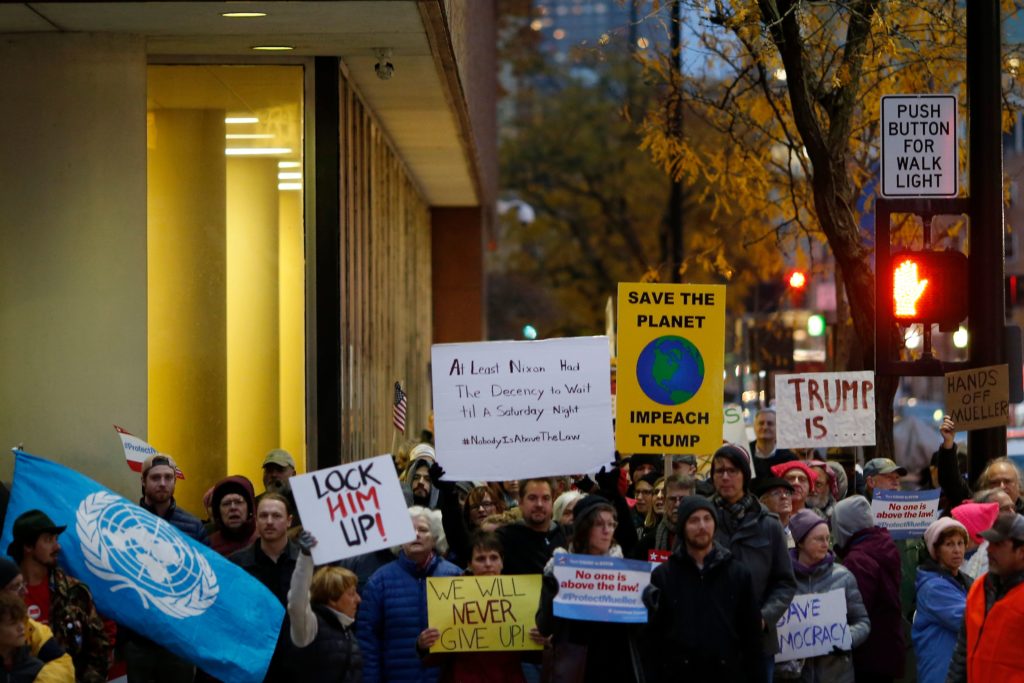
762	449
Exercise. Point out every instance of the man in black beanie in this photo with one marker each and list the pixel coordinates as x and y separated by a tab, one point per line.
756	539
702	578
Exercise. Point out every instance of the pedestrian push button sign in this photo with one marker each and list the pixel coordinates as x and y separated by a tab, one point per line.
670	365
919	151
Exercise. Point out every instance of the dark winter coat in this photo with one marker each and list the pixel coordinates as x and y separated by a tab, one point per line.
224	540
24	669
705	624
333	656
528	551
759	543
872	557
392	615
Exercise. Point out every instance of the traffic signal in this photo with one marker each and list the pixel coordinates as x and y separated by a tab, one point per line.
797	279
929	287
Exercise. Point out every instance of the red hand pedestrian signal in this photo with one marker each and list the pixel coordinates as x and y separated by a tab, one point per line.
929	287
906	289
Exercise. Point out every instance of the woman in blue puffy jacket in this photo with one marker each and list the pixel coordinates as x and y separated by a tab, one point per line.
941	597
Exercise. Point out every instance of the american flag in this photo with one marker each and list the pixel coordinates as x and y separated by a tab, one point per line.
398	412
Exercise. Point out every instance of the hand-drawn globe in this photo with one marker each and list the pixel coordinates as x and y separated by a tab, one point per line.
670	370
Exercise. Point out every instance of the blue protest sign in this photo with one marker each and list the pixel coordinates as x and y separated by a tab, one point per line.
147	575
906	514
599	588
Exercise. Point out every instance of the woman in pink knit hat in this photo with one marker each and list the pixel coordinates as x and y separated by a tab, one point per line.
976	517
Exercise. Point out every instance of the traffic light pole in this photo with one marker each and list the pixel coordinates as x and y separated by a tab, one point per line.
986	322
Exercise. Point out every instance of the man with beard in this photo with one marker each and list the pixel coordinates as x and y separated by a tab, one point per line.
147	661
233	515
530	542
705	621
58	600
419	490
755	538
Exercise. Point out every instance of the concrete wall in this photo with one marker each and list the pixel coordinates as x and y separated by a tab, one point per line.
73	256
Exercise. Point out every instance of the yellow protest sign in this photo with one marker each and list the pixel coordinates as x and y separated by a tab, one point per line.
483	613
670	364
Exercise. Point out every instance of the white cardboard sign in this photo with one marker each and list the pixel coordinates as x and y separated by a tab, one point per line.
919	152
822	409
509	410
813	624
353	509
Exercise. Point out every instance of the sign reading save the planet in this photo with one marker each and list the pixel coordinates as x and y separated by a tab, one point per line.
669	370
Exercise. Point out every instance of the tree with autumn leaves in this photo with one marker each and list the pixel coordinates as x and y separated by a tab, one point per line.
792	90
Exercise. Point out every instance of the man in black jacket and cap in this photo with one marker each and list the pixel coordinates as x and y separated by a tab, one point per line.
705	621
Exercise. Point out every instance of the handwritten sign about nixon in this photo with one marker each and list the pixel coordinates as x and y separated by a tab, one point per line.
483	613
906	514
353	509
979	397
670	366
508	410
599	588
813	625
818	409
919	151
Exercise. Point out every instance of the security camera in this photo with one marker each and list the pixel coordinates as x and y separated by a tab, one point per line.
383	68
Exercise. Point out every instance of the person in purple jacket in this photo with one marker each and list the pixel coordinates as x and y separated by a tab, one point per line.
871	556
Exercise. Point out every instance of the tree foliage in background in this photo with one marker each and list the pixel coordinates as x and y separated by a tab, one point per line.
795	88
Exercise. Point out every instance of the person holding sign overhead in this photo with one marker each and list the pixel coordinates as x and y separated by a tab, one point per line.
587	651
817	572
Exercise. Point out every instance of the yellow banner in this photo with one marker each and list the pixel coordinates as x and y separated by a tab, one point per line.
483	613
670	363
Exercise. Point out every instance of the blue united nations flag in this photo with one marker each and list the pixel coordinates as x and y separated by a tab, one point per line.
150	577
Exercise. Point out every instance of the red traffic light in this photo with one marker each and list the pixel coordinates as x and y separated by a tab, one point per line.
797	279
929	287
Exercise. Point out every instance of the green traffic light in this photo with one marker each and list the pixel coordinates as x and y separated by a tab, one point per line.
816	325
529	332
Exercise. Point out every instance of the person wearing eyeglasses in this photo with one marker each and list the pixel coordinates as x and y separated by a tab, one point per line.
595	651
662	537
776	494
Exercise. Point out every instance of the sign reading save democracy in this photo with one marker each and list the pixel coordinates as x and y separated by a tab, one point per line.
820	409
670	365
510	410
600	588
353	509
813	625
906	514
483	613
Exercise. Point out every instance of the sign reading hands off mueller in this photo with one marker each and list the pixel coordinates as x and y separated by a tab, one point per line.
509	410
670	364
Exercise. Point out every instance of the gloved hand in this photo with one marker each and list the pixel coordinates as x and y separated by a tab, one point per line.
436	472
608	482
838	651
584	484
306	542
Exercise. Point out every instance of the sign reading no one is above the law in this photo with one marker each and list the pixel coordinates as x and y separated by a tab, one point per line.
919	151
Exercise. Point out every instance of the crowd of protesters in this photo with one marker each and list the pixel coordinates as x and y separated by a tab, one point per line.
730	550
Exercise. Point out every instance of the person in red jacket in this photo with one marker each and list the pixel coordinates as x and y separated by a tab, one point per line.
987	648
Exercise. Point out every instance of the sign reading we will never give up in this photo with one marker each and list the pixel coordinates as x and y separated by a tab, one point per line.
483	613
353	509
511	410
817	409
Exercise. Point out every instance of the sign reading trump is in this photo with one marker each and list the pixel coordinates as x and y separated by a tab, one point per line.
670	365
353	509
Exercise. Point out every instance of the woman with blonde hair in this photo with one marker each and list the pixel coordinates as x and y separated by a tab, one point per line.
322	609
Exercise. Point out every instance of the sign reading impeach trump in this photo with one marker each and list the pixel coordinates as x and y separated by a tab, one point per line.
670	364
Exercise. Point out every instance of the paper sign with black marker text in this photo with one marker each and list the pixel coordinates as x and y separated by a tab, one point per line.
353	509
483	613
821	409
979	397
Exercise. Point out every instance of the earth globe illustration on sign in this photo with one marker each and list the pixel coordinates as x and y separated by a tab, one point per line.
670	370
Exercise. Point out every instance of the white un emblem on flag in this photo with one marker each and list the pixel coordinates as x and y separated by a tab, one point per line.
130	548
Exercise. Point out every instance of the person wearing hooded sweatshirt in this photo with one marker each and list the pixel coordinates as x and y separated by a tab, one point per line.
755	537
587	651
705	621
418	487
872	557
817	572
233	504
941	598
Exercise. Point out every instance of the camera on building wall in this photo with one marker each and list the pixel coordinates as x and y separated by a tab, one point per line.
384	67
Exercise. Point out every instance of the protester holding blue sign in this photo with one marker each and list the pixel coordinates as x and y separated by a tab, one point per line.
817	572
941	598
583	650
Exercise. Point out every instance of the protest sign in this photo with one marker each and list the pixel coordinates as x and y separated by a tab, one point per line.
353	509
483	613
509	410
813	625
136	451
670	365
600	588
822	409
979	397
734	429
906	514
